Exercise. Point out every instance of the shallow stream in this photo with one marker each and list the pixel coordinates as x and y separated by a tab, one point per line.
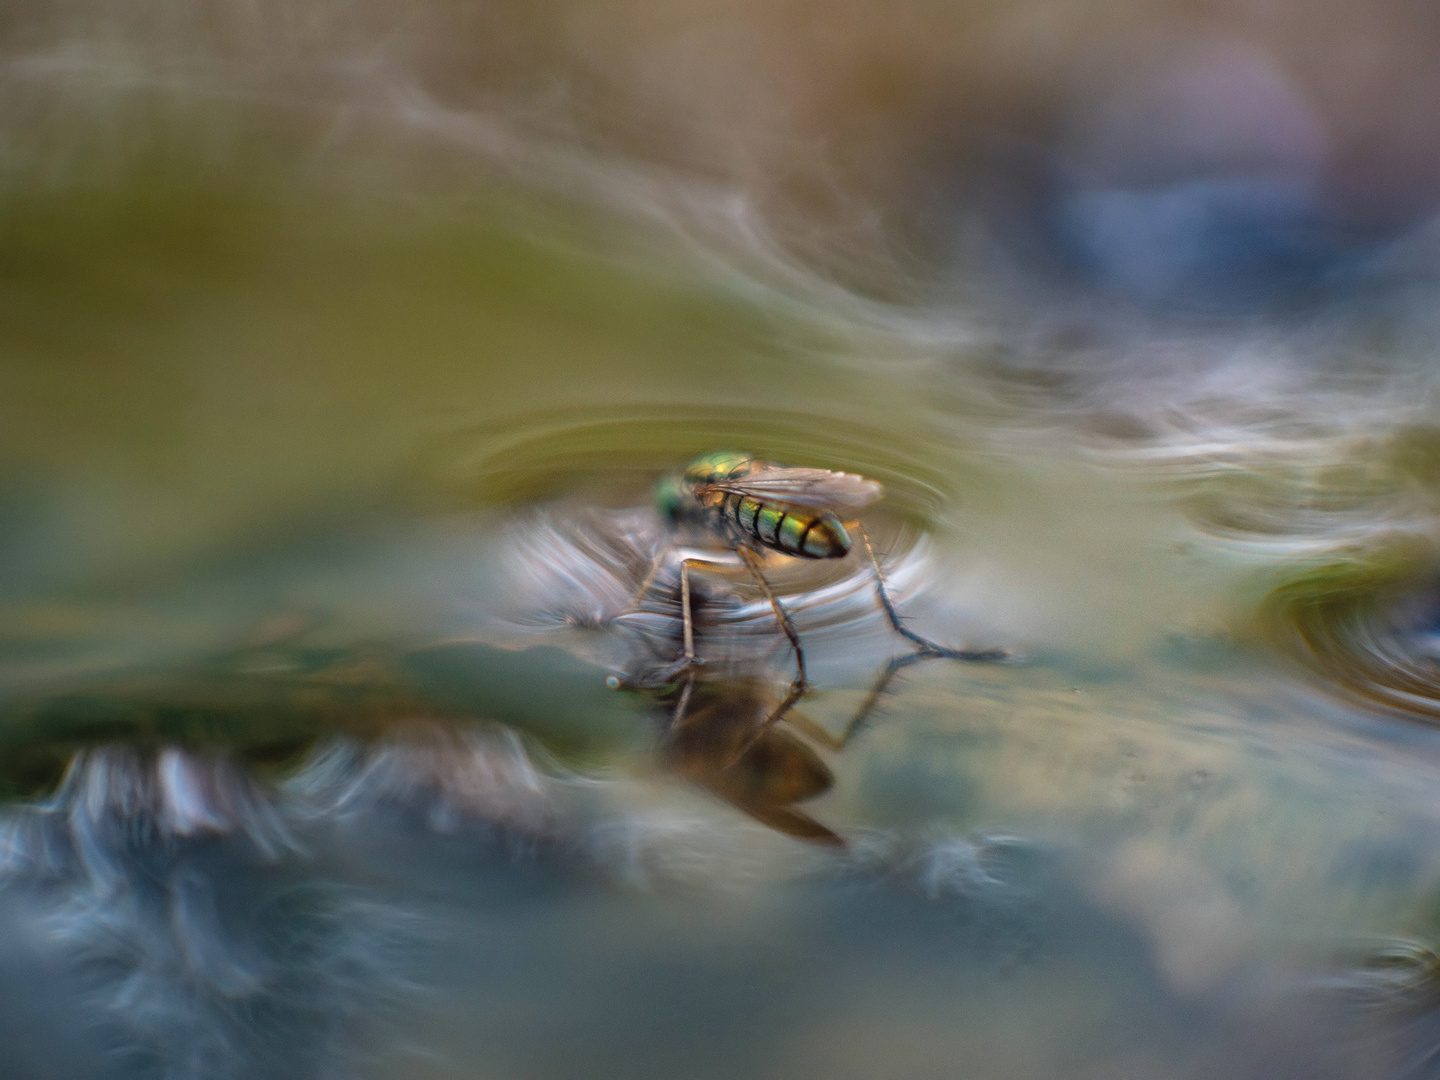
333	391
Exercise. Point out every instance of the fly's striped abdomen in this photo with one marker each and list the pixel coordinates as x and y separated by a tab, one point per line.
794	530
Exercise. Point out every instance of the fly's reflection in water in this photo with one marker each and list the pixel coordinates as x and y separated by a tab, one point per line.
700	650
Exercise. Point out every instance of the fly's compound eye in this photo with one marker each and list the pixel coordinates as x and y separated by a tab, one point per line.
670	499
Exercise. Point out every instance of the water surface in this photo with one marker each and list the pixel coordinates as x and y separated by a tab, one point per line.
336	378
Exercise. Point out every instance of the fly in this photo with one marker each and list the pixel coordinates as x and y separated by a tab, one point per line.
752	506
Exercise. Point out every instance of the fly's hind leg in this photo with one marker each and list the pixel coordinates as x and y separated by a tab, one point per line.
926	648
883	679
880	686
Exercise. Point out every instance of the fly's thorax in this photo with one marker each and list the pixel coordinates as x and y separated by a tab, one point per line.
794	530
719	466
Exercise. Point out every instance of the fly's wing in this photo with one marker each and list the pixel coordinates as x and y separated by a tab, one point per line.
816	488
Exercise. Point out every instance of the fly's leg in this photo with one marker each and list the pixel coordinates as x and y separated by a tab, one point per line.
687	659
926	648
878	688
797	690
688	662
816	733
800	684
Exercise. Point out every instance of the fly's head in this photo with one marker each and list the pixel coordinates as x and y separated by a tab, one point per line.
674	503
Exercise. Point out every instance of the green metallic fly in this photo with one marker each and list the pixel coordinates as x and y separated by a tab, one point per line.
752	506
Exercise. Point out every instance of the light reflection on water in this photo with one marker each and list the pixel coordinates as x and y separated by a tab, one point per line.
339	357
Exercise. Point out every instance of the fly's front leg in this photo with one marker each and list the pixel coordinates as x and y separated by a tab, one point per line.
689	663
685	667
926	647
688	659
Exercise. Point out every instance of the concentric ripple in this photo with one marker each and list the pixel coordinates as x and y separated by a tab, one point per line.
614	453
1370	629
620	570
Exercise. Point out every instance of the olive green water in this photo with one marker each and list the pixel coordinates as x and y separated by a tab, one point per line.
265	438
